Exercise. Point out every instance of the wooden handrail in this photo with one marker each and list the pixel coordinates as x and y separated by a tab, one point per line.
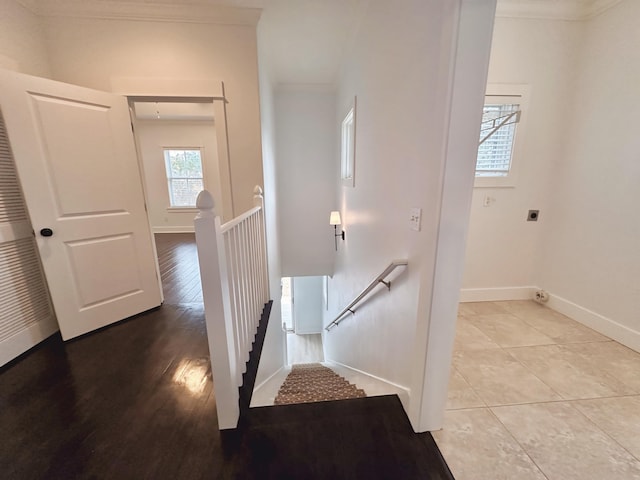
379	279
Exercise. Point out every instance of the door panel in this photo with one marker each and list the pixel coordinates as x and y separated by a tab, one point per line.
86	187
78	169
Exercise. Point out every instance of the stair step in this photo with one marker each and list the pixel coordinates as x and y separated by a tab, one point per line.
313	382
358	438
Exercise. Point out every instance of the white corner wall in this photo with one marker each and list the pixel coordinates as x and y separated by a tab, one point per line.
503	249
590	261
400	67
307	178
153	137
273	356
90	52
396	89
22	42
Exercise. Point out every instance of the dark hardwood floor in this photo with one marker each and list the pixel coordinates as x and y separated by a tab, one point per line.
178	260
136	401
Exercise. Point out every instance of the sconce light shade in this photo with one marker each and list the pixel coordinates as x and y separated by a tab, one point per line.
334	219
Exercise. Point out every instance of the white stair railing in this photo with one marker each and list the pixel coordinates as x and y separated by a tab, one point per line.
235	289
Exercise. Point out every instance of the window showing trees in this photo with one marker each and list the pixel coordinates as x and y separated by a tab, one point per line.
184	176
497	136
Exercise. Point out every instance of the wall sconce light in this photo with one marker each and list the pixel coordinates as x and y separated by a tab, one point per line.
334	219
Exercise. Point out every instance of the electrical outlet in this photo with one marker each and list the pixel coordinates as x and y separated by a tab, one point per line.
415	218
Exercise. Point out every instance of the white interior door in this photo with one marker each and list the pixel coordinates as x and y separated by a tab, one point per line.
77	164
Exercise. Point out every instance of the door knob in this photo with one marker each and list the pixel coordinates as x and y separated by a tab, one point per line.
46	232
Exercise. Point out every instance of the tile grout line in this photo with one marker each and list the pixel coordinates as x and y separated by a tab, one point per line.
519	444
602	429
472	389
571	402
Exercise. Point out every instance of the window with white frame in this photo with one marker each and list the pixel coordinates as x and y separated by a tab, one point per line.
499	135
184	176
348	147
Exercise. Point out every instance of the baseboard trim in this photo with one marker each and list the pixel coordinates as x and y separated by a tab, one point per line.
496	294
606	326
26	339
185	229
264	382
405	392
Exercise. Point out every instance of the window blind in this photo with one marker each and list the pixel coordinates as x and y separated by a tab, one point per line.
26	314
494	153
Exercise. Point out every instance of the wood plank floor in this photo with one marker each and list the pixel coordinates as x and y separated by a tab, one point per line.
136	401
178	260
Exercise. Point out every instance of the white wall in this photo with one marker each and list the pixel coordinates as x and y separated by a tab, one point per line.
591	254
503	249
579	168
274	349
90	52
307	173
308	304
401	69
153	137
22	42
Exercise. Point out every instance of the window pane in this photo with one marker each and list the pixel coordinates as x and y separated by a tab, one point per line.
494	154
184	191
184	163
184	175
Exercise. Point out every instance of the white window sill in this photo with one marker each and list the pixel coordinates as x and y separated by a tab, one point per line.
495	182
182	209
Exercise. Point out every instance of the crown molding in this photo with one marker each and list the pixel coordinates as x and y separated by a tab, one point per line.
598	7
145	11
569	10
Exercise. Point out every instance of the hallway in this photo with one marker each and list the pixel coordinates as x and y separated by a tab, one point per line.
136	400
535	395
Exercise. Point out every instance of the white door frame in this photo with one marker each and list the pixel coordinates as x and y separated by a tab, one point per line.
188	90
440	287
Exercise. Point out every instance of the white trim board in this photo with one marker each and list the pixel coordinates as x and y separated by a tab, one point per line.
146	11
606	326
184	229
382	386
568	10
497	294
26	339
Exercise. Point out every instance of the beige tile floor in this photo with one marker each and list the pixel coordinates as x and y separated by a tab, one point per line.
535	395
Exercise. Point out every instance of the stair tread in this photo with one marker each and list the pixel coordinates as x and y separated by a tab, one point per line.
356	438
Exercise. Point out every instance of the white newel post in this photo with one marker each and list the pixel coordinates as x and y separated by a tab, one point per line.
258	201
215	290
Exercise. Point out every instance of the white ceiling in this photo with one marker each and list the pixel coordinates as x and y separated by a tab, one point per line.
304	40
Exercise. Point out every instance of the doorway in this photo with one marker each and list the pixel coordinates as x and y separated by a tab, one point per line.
177	140
302	309
286	305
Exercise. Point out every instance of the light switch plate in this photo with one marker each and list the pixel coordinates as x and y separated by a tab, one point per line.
415	218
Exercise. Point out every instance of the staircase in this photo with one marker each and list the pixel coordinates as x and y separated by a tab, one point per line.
313	382
368	437
342	439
